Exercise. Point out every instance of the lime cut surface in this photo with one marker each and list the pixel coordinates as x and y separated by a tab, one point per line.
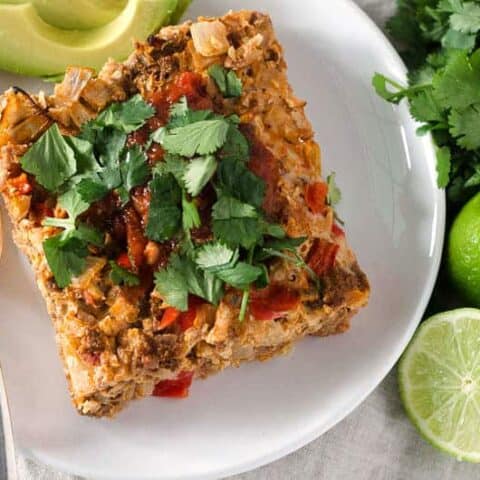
439	379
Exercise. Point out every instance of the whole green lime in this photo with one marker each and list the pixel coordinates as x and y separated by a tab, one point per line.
464	251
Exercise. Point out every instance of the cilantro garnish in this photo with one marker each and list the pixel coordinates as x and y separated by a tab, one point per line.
65	255
236	223
226	80
121	276
198	173
125	116
334	194
50	159
73	204
199	138
182	277
235	179
164	218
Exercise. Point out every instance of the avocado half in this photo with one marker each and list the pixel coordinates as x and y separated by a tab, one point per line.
30	46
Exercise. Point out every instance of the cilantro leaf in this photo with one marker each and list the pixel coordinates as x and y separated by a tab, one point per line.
181	115
170	283
272	229
381	85
241	275
214	257
65	256
164	216
83	151
199	138
50	159
334	195
121	276
226	80
92	189
238	181
89	234
287	243
236	223
466	18
198	173
424	107
236	146
182	277
465	126
443	166
190	215
457	85
174	164
458	40
72	202
124	116
134	171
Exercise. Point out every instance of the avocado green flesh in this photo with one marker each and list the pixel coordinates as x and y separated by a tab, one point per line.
78	14
30	46
182	6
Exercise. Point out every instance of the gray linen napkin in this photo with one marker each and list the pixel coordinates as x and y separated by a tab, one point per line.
376	442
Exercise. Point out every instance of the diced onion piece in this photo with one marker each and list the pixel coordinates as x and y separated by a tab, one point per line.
210	38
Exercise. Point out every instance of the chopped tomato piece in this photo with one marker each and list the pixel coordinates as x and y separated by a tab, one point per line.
273	302
123	261
136	240
337	231
187	318
21	185
188	84
184	319
169	316
322	255
176	388
316	196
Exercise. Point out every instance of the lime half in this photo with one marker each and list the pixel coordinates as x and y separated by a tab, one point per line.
439	378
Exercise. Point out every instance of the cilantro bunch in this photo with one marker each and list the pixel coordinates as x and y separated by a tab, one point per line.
438	40
81	170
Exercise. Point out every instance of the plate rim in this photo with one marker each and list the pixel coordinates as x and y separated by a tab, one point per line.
316	431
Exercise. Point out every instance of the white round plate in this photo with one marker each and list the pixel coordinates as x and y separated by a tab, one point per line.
246	417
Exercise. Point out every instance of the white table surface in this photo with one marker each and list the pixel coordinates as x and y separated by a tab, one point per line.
375	442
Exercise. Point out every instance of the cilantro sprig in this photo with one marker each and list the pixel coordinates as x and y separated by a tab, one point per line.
438	40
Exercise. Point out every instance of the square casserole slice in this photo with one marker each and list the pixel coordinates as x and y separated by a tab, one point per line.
112	348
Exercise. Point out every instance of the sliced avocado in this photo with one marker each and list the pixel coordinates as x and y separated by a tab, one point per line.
182	6
79	14
30	46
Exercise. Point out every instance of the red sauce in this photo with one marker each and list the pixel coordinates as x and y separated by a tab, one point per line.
176	388
316	197
263	163
273	302
136	240
322	255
